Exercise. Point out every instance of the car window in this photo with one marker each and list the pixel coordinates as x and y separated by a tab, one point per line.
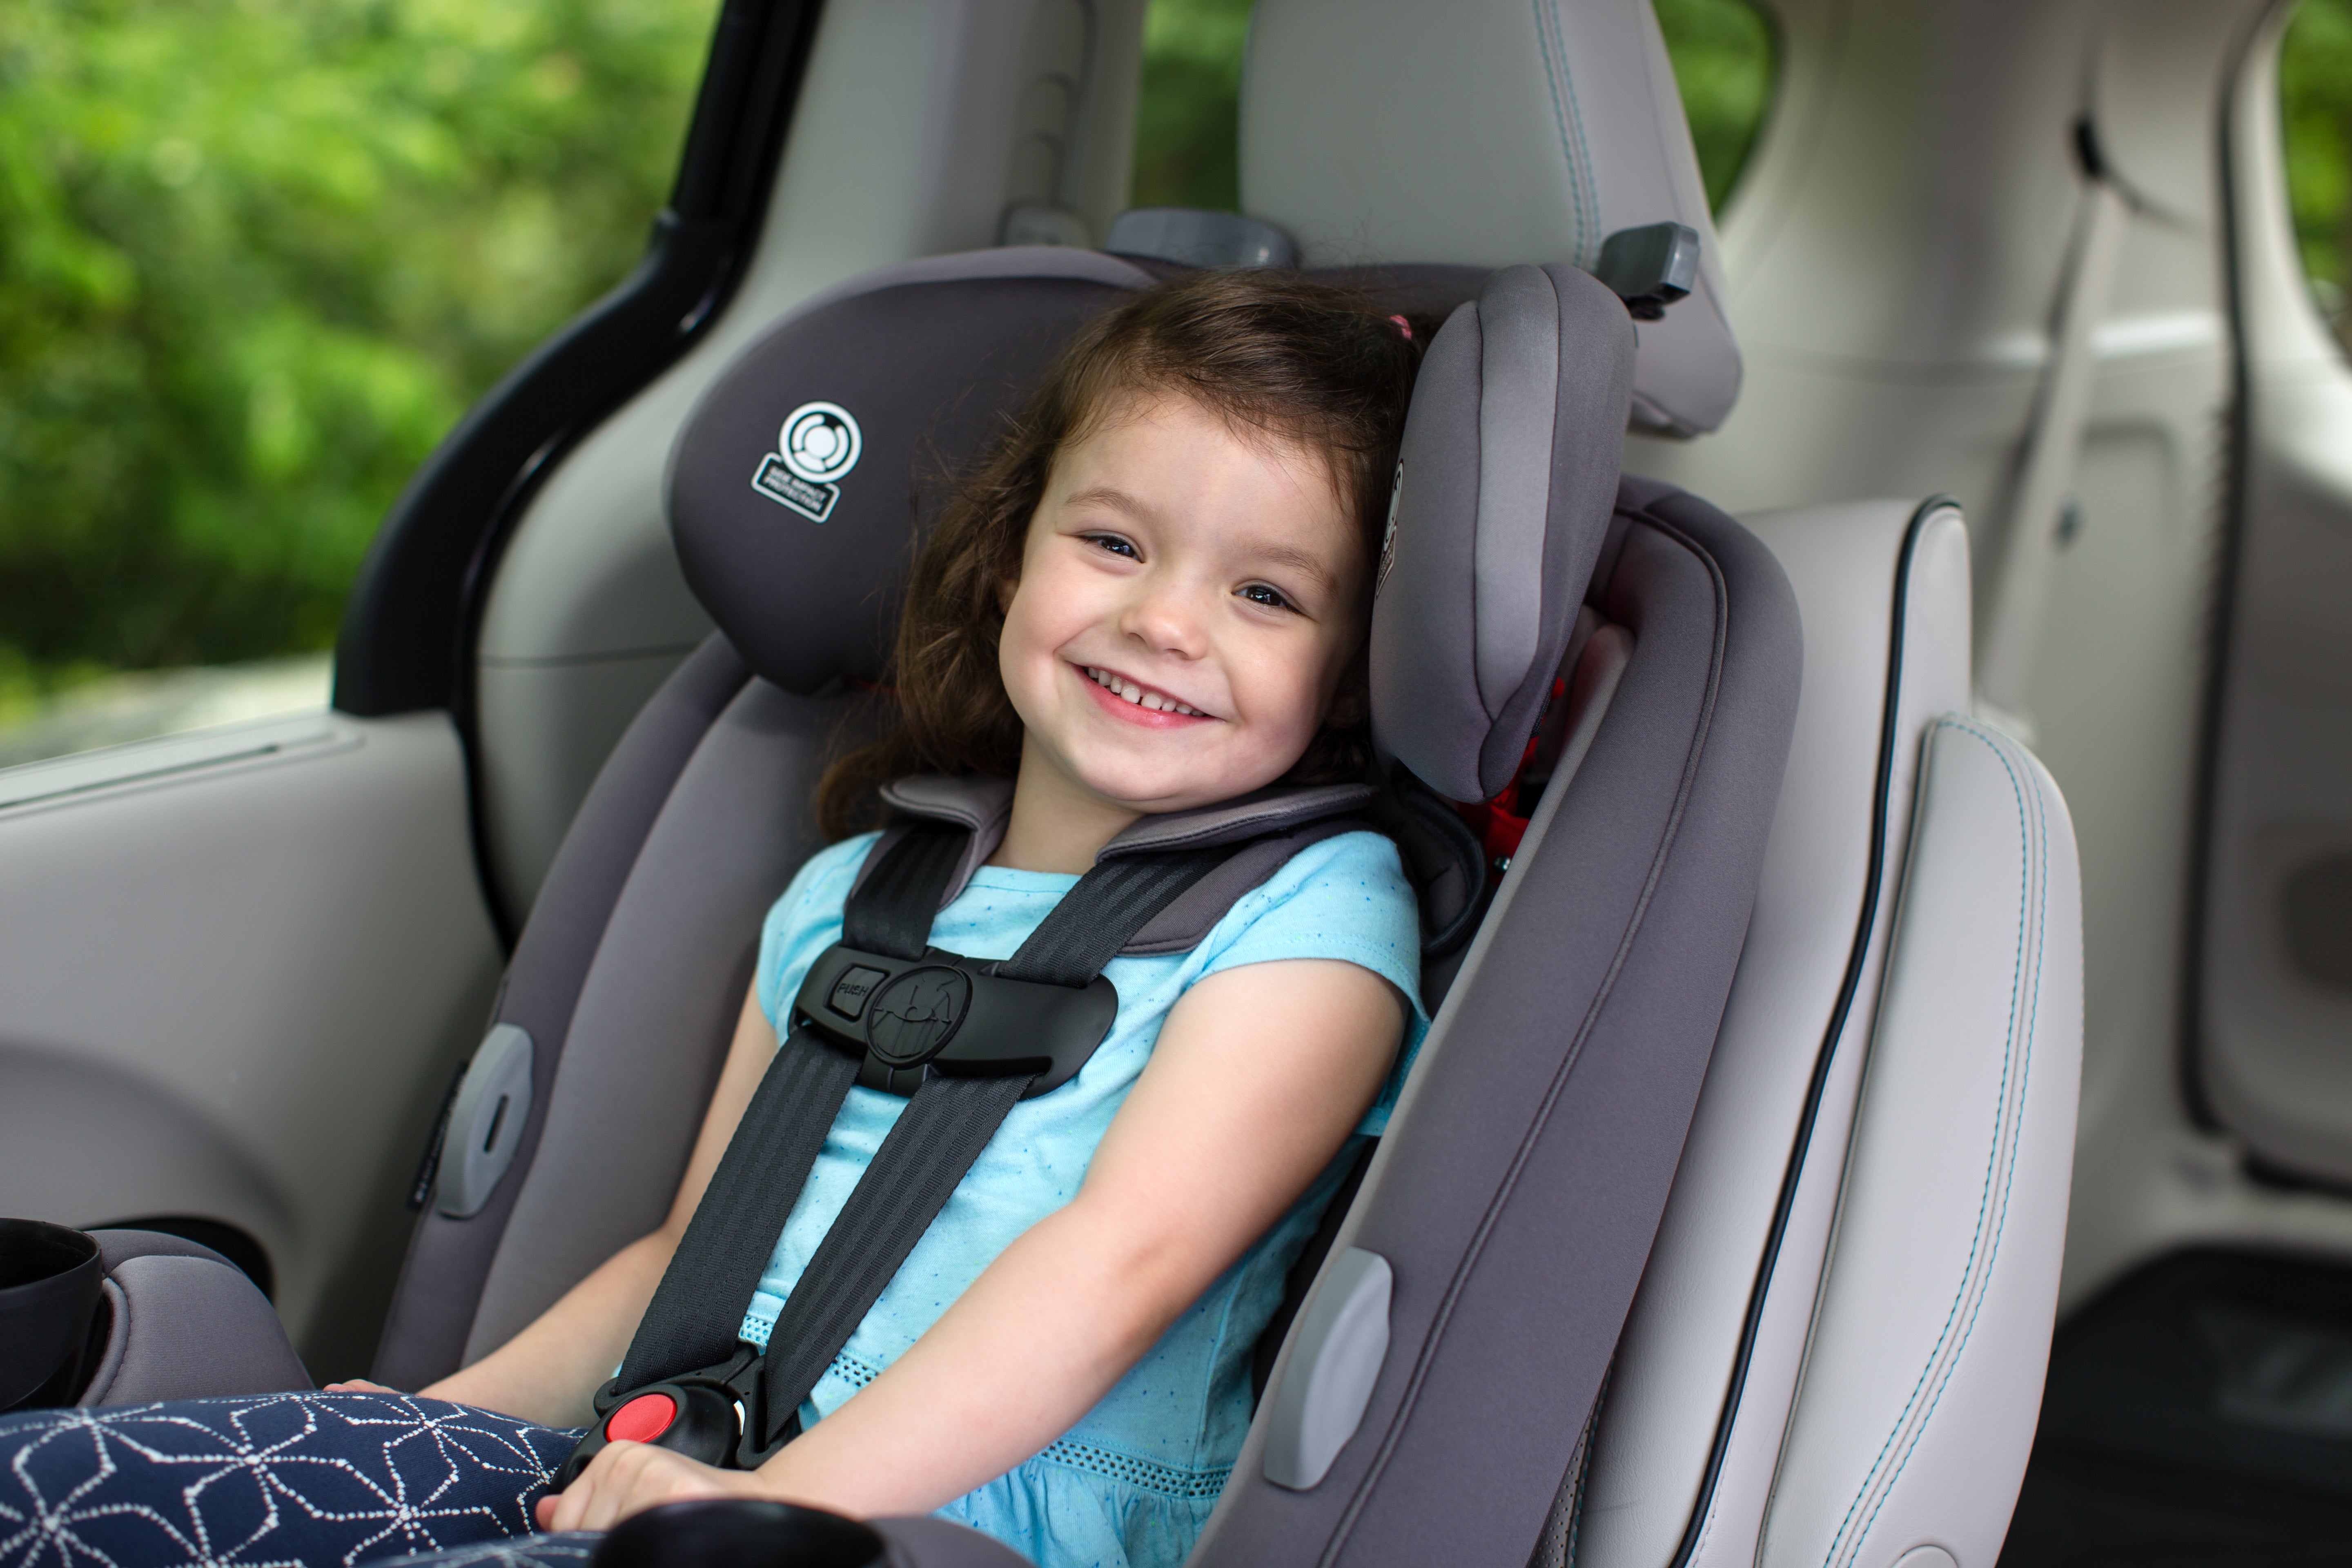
2316	116
255	261
1187	152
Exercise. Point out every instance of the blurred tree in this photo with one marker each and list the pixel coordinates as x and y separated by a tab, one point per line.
1724	61
1187	149
2316	115
257	256
1186	152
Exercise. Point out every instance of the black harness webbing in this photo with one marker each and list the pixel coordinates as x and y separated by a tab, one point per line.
775	1145
686	1347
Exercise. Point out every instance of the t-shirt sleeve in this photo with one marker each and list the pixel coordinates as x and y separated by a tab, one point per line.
805	921
1345	898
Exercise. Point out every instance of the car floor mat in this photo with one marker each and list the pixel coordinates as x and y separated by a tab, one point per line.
2199	1411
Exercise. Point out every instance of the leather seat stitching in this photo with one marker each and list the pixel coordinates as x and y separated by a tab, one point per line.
1993	1169
2033	1009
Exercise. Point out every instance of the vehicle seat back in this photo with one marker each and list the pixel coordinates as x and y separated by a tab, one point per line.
1390	133
1838	1349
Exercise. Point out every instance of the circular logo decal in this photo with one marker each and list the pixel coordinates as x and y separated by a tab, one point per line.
820	442
911	1019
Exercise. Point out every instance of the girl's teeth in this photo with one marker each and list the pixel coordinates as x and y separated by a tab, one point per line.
1137	695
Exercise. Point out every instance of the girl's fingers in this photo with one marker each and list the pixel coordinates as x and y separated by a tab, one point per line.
624	1479
357	1385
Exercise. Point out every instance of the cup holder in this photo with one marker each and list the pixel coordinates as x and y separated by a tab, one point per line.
50	1280
737	1532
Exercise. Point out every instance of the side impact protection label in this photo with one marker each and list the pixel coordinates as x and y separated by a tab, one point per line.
819	443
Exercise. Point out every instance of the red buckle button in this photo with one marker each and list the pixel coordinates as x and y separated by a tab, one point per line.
641	1419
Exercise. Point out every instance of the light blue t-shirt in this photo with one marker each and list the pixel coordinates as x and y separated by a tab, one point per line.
1132	1485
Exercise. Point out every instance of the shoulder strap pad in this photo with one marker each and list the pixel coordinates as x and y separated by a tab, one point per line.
1282	820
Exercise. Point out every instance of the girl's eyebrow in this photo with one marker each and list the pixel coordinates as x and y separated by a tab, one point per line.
1117	500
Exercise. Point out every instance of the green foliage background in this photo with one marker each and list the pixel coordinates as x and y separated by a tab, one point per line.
2316	109
257	255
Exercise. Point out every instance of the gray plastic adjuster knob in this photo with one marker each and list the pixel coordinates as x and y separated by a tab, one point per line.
485	1124
1343	1338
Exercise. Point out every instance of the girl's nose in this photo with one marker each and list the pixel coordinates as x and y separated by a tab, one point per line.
1166	618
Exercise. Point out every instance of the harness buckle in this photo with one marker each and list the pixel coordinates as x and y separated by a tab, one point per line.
713	1415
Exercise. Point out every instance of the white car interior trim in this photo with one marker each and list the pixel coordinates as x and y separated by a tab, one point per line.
239	991
2053	449
89	775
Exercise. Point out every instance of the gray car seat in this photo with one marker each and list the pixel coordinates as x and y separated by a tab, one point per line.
1542	1130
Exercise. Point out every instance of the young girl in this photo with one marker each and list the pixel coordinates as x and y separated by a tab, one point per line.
1154	597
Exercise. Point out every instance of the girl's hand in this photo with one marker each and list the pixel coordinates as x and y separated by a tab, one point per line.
357	1385
627	1478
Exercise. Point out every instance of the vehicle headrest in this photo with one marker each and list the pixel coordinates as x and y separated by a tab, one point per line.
792	485
1504	491
1487	133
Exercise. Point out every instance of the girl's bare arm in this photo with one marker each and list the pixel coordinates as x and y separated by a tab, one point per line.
548	1372
1260	1075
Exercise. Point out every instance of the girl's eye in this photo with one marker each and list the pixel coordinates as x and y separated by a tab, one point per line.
1272	598
1115	544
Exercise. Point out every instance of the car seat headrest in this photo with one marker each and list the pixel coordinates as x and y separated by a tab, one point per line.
1487	131
792	484
1504	491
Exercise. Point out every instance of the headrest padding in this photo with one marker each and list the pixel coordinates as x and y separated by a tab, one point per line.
798	542
1505	486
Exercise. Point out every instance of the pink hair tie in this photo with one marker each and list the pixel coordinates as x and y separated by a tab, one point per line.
1404	326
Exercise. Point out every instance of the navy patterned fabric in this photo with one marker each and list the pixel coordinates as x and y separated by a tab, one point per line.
275	1480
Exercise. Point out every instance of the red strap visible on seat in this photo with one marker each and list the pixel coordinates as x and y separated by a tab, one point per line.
1501	822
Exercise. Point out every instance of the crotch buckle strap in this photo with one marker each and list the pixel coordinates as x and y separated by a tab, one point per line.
908	1019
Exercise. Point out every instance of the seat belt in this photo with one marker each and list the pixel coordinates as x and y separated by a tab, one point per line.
965	1039
2053	448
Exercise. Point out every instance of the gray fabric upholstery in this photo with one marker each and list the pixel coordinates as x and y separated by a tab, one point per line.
927	361
441	1283
185	1322
1508	471
1517	1192
659	1003
1490	131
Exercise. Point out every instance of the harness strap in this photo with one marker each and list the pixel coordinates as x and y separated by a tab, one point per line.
714	1398
688	1323
940	1136
927	1151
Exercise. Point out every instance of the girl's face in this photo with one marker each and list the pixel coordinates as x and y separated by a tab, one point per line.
1189	603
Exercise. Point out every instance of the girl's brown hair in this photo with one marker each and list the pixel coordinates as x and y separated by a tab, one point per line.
1273	352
